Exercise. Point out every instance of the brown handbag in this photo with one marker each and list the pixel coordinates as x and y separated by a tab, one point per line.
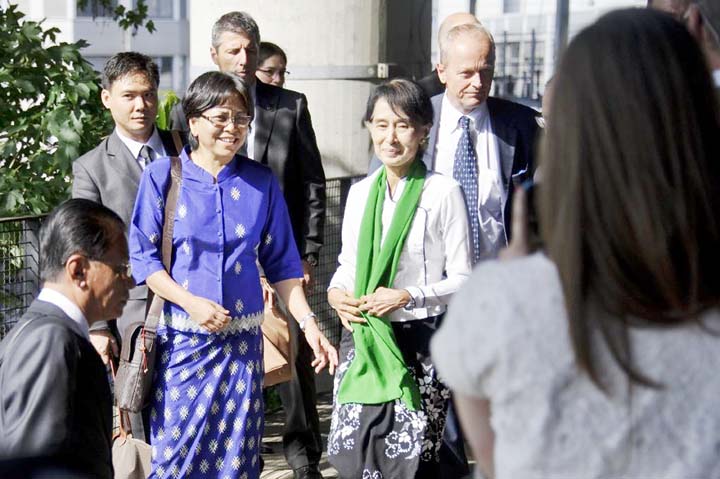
137	357
131	457
277	346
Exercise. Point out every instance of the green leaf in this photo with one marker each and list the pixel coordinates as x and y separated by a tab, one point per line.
25	85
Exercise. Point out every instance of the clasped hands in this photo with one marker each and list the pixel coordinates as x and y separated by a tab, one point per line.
380	303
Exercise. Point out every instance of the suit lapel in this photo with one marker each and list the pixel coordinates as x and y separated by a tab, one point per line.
265	109
121	160
429	155
169	142
507	138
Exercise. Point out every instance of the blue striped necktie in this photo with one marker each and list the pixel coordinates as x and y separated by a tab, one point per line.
465	171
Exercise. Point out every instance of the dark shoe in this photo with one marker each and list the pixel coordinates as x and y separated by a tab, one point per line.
307	472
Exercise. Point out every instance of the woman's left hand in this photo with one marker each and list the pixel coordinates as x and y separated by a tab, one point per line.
384	301
325	353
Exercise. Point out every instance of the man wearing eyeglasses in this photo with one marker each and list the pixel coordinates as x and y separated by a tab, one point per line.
54	394
281	136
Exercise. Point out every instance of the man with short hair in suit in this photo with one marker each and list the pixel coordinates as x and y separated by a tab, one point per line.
55	402
110	173
281	136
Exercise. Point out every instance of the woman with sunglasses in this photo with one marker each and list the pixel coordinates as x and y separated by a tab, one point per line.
206	409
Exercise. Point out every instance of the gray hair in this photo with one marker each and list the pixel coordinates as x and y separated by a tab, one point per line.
236	22
474	30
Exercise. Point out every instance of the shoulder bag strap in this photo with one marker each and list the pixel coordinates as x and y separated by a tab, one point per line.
156	302
177	141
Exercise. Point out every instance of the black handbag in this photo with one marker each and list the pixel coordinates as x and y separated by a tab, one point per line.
134	375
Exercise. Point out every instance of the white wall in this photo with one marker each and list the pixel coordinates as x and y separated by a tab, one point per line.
321	38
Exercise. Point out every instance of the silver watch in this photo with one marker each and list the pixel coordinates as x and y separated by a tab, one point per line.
304	319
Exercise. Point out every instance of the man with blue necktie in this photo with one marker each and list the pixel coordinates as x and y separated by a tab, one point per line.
485	143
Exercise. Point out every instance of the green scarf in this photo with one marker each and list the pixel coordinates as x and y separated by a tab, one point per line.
378	373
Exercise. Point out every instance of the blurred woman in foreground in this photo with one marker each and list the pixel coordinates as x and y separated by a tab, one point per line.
599	358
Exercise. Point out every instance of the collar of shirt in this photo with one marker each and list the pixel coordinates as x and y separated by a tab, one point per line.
193	172
58	299
716	77
450	116
250	141
153	142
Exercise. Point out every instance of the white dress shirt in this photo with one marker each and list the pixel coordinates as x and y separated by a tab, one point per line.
435	259
249	146
491	193
716	77
68	307
154	142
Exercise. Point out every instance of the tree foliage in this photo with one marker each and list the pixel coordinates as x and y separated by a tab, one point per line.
50	113
125	17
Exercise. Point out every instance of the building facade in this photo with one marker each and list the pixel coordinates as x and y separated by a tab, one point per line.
168	45
524	33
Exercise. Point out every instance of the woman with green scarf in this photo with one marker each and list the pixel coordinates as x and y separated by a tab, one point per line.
405	252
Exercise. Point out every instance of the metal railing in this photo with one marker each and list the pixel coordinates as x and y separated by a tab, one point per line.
20	272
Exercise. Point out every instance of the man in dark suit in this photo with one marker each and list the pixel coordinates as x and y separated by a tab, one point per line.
109	174
282	137
55	402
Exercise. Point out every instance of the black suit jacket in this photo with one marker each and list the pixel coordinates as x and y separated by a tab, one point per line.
515	127
285	141
110	175
432	84
54	395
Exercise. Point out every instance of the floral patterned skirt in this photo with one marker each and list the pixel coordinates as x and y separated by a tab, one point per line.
389	441
206	416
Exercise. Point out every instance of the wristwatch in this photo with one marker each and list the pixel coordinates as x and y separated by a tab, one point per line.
304	319
311	259
411	304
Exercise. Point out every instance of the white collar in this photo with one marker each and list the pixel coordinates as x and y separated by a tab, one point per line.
450	115
153	142
716	77
55	297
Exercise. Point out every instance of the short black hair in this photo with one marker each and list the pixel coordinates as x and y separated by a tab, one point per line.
77	226
213	89
236	22
269	49
124	63
403	96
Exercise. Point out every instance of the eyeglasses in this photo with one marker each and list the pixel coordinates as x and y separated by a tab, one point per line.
124	270
271	72
222	120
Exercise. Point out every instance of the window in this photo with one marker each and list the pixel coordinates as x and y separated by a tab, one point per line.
165	65
512	6
158	8
98	63
94	9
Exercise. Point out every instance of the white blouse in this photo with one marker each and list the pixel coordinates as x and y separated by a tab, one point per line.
506	338
435	259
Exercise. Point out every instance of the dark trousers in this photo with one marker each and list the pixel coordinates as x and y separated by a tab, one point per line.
453	461
302	442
